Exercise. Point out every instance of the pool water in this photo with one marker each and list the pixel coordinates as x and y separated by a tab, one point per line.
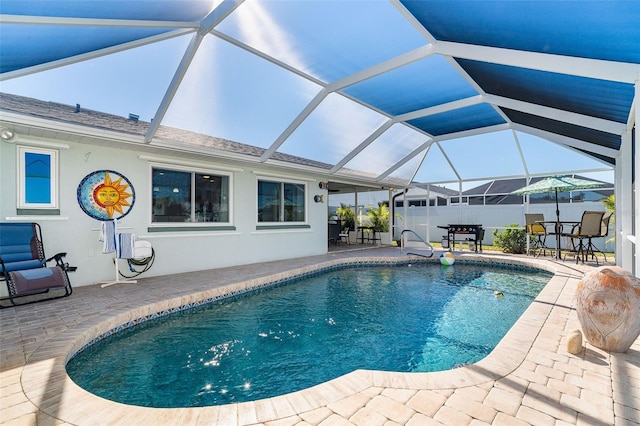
397	318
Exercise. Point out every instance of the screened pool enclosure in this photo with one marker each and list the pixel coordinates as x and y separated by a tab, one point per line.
379	94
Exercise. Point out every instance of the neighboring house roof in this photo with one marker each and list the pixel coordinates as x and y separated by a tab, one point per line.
507	186
437	190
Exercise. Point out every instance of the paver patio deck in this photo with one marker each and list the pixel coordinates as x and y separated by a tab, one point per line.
528	379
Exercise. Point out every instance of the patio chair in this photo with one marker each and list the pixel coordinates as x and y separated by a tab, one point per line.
604	231
334	232
24	267
344	235
590	226
537	233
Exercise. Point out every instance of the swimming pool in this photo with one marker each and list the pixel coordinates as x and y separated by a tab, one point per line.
290	337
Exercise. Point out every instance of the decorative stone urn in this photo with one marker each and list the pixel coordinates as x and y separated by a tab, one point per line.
608	307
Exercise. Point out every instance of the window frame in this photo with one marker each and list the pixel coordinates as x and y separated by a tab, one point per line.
282	182
54	182
180	226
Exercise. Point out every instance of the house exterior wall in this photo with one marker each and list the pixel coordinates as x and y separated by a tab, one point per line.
76	233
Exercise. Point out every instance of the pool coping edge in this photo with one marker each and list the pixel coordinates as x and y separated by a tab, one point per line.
60	396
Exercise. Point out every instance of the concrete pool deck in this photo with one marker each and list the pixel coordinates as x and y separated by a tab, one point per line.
528	379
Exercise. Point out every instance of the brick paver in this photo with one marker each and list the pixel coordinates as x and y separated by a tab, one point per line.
528	379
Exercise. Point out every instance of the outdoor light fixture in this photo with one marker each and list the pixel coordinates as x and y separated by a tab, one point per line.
7	135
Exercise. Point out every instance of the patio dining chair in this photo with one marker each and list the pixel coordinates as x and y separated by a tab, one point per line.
344	235
604	231
590	227
537	233
334	233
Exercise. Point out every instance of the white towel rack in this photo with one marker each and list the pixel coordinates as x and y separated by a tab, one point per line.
104	284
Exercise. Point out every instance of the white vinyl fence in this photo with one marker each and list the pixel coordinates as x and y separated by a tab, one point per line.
425	220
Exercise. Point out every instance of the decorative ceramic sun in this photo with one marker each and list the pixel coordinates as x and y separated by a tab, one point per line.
104	193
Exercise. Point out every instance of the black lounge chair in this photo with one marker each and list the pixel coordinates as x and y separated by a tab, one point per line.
24	266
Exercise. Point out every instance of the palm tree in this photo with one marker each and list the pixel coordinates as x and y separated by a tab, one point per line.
347	216
379	217
609	203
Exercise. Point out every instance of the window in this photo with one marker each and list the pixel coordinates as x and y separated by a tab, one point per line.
191	197
38	178
456	201
281	201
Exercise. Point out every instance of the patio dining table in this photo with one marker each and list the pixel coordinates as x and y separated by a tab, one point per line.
558	231
370	236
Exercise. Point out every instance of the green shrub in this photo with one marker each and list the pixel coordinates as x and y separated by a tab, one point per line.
511	240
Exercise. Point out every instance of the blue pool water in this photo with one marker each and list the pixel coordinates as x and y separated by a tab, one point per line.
397	318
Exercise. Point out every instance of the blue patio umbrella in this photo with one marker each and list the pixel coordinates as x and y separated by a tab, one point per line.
558	184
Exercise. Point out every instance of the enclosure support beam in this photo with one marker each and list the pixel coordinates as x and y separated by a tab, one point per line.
628	196
635	160
623	194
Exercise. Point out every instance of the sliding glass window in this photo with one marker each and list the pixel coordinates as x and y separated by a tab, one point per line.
189	196
281	202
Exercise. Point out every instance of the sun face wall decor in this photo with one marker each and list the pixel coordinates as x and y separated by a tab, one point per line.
106	195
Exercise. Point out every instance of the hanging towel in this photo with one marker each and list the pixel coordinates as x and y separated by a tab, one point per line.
108	236
126	243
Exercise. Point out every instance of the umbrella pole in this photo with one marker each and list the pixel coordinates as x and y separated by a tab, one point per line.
558	229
